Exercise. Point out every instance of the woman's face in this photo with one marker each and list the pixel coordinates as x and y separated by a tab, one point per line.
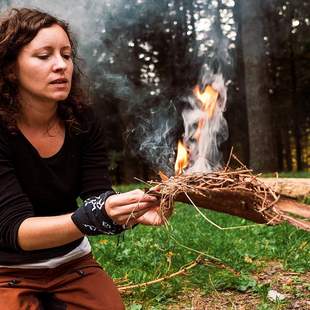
44	67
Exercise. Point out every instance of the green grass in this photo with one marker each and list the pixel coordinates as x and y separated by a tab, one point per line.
297	174
147	253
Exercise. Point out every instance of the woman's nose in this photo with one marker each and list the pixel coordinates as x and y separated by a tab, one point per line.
59	63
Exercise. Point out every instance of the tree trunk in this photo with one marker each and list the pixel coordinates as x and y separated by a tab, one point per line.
263	155
237	111
296	126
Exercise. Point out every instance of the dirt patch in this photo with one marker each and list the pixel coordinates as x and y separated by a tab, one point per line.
295	287
217	301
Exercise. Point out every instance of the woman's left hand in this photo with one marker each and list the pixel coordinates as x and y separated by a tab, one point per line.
155	217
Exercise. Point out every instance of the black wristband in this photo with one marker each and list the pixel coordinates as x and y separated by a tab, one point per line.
92	219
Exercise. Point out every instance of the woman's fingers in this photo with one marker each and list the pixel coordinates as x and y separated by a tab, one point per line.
137	208
123	207
152	217
132	197
131	218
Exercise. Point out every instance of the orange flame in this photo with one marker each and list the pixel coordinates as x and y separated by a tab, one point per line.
208	99
182	159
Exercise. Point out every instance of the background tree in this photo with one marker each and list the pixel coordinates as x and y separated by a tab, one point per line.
289	71
262	147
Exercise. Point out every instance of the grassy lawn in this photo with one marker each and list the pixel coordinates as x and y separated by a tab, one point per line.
297	174
241	255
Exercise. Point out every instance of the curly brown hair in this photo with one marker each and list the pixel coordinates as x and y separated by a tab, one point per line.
18	28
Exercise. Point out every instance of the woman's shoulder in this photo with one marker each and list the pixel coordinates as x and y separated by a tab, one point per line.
88	114
4	137
90	128
4	132
89	119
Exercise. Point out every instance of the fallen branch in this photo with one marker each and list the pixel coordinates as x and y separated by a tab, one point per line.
289	187
191	265
236	192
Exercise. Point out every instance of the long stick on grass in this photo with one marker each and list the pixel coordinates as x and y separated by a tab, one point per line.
189	266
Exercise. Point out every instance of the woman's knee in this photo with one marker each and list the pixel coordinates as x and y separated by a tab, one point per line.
92	289
18	299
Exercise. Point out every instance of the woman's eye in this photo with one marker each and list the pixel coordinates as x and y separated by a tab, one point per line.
67	56
43	56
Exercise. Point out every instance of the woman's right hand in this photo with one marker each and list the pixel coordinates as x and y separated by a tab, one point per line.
126	208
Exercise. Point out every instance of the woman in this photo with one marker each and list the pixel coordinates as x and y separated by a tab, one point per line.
51	152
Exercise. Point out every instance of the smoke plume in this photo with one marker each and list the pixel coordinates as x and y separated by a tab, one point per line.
121	41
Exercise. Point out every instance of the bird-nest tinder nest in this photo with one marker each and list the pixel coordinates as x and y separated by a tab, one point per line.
237	192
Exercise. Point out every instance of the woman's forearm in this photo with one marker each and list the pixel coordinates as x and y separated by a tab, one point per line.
37	233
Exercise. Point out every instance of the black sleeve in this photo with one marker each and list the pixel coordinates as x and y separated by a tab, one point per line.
94	173
15	206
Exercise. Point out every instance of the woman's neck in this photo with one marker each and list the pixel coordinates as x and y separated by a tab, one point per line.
37	114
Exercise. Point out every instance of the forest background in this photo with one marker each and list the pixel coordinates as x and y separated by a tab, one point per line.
143	59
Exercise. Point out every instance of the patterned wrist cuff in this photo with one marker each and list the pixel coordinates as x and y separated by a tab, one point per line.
92	219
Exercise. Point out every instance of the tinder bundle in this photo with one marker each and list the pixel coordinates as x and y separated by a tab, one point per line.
236	192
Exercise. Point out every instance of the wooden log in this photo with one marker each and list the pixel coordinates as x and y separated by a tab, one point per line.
242	204
242	201
294	207
237	203
289	187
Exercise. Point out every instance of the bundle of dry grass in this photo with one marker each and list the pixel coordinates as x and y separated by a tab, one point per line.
236	192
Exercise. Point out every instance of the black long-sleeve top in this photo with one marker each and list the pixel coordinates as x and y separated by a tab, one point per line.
34	186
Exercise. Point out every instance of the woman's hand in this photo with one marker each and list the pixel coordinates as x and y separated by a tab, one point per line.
133	207
156	217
